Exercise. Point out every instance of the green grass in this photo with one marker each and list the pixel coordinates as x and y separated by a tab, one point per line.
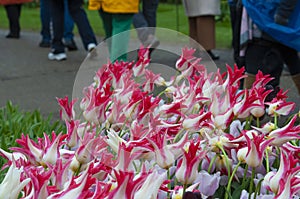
168	16
14	122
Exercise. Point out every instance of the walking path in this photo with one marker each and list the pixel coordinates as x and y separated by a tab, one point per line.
31	81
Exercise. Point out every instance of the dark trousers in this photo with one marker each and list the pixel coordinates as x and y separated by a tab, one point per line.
13	12
80	18
45	15
146	18
269	58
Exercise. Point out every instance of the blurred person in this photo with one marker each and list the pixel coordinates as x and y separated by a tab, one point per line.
117	18
201	17
45	16
13	12
145	22
284	11
236	8
80	18
268	49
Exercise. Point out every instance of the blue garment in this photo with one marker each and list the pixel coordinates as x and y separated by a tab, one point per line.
68	23
262	13
232	2
45	16
80	18
146	18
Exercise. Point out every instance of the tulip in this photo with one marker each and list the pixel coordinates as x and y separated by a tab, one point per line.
67	112
151	186
253	153
12	184
187	168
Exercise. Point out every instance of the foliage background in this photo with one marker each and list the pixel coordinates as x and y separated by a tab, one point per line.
170	14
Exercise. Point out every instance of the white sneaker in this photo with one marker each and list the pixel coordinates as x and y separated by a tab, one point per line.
91	47
57	56
92	52
151	42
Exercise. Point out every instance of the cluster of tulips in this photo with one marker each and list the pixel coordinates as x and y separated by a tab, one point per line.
200	137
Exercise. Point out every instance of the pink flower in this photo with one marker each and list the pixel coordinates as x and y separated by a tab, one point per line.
88	149
253	153
166	154
285	182
30	149
73	138
196	122
244	104
186	57
127	184
94	104
151	185
51	151
187	167
151	80
13	183
280	108
287	133
234	76
67	111
39	181
261	94
143	61
78	188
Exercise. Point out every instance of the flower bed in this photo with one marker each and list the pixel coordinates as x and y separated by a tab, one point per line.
200	137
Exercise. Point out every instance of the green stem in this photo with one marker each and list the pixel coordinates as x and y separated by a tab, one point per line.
178	136
184	189
245	174
252	182
78	170
231	178
267	162
275	120
257	122
169	184
257	190
211	163
226	159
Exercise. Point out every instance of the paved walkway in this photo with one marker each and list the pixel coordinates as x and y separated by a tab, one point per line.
31	81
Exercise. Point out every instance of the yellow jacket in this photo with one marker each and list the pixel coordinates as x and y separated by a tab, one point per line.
115	6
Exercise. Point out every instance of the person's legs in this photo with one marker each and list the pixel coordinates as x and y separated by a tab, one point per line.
292	60
139	22
107	25
266	58
45	16
80	18
58	48
149	11
13	12
121	24
68	29
145	19
68	23
193	30
205	30
206	34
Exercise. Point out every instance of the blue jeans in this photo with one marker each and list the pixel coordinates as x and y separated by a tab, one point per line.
80	18
45	15
146	18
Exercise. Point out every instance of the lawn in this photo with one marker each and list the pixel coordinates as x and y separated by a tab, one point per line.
168	16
